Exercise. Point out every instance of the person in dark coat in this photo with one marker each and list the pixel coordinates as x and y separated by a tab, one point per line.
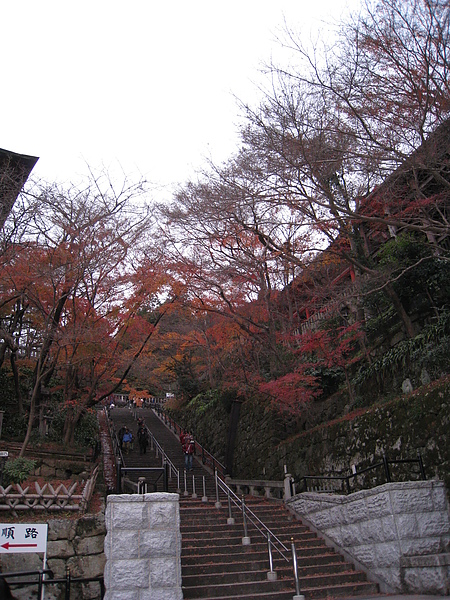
142	436
120	436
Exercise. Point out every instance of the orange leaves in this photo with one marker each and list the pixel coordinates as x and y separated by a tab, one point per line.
291	392
331	347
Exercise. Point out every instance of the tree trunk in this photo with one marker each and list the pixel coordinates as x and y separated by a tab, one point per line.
16	383
41	370
72	419
349	387
34	396
232	432
392	294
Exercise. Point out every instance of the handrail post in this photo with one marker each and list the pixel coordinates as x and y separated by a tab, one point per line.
204	497
119	476
185	493
421	467
67	591
386	469
230	520
297	595
194	495
41	581
166	476
245	539
218	503
271	574
347	484
287	484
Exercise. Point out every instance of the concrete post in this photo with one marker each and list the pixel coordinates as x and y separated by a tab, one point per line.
143	547
287	486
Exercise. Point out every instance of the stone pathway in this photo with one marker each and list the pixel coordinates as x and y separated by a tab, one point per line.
171	445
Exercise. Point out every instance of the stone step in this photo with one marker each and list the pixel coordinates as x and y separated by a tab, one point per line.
237	531
262	564
237	589
209	515
341	591
312	580
217	566
235	545
277	589
315	559
272	595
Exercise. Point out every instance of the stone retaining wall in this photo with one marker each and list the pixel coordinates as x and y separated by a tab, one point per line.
143	547
398	532
76	544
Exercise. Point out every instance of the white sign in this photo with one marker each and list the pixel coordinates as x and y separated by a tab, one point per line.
23	537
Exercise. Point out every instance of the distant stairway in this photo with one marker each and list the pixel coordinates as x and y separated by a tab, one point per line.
216	565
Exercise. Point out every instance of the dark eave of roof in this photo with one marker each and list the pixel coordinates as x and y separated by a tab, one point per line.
13	160
14	171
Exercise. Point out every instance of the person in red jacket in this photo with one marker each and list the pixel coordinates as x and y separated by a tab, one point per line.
188	449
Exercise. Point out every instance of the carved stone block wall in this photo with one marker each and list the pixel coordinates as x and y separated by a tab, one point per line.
143	547
399	532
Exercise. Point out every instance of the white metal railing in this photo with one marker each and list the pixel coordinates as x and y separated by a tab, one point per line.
272	540
154	445
272	489
249	515
159	451
207	458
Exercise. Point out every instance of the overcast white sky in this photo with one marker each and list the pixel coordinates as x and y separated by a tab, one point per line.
142	84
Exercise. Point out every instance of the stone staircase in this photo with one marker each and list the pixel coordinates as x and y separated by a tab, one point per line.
172	447
215	562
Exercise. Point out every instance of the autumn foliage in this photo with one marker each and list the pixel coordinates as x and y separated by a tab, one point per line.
271	274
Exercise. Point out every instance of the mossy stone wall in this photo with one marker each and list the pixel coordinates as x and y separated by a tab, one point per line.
207	418
418	422
401	428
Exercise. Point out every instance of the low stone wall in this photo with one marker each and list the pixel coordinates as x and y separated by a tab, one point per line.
398	532
74	544
143	547
51	468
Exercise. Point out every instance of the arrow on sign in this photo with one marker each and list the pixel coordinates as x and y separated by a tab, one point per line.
7	546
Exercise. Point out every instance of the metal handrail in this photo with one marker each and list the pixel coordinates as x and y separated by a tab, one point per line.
117	450
263	530
254	519
154	444
165	459
162	471
346	478
41	582
120	463
207	457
